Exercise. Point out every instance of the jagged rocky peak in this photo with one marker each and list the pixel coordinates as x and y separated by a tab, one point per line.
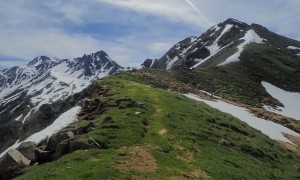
235	22
100	54
43	63
40	60
99	58
229	24
95	62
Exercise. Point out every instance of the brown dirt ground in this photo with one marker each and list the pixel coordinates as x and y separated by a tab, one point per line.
294	139
140	161
139	177
290	147
162	131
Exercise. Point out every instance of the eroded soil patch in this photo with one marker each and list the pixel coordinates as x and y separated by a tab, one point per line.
141	160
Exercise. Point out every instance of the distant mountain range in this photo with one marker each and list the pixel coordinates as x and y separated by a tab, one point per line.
25	91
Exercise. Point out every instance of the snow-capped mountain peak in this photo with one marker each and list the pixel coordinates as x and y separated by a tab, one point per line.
220	45
24	90
38	60
95	62
42	60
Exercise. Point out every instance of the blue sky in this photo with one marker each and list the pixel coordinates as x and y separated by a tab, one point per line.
128	30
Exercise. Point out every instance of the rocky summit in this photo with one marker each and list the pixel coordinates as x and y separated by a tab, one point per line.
219	106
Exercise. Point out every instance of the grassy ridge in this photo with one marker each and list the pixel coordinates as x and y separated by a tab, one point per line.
187	139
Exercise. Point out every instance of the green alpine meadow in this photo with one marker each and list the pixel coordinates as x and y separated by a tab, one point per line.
167	136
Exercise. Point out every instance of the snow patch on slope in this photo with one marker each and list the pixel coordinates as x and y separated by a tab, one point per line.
61	122
19	117
152	62
171	63
269	128
250	37
293	47
290	100
215	28
202	61
215	47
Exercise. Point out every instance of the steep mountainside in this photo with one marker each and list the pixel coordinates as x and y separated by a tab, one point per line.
27	93
220	45
232	59
146	132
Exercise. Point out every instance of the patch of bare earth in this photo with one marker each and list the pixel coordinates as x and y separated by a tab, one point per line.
157	110
294	139
162	131
195	174
139	177
200	174
141	160
290	147
188	157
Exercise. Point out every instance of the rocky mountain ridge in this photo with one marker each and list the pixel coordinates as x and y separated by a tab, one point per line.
232	59
220	45
27	92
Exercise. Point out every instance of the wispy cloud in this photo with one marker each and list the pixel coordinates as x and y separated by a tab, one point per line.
11	63
129	30
175	10
199	12
160	47
34	28
280	16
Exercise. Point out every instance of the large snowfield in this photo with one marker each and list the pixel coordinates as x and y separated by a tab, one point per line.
61	122
290	100
271	129
250	37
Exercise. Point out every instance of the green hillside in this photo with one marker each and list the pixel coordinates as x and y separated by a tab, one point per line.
151	133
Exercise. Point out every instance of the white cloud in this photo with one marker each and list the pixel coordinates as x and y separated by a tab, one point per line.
279	16
62	45
30	28
70	10
11	63
160	47
175	10
52	42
